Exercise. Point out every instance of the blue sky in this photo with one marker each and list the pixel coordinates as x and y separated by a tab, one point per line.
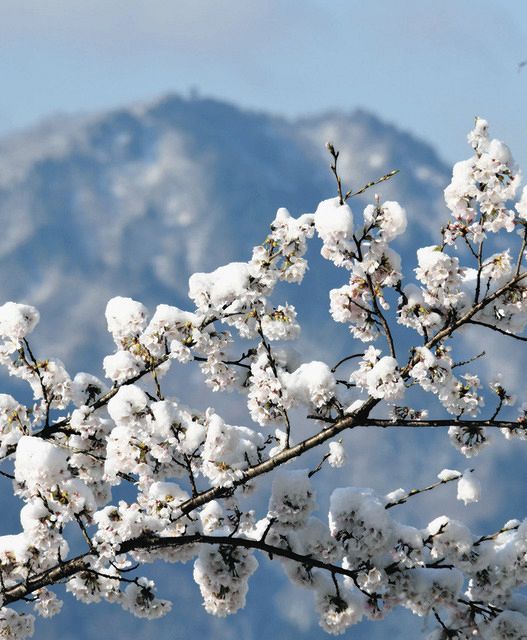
424	65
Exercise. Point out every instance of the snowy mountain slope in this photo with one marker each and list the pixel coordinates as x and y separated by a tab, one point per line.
131	202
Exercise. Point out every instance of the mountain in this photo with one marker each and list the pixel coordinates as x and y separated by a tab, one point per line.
131	202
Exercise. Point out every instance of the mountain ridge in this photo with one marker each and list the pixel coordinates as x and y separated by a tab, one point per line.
133	200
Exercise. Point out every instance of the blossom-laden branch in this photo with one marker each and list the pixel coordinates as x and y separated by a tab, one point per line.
189	473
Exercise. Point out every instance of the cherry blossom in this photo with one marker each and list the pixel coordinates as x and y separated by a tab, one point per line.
190	475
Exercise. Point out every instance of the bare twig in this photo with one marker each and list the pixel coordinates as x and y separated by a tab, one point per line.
387	176
415	492
351	357
333	166
502	331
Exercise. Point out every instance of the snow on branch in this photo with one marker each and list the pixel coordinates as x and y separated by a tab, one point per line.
189	473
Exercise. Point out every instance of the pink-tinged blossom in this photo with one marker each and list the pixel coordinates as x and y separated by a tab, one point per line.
358	519
222	576
380	378
338	612
389	218
441	276
15	626
47	604
139	598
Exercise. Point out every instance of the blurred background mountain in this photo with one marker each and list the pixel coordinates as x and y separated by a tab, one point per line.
132	201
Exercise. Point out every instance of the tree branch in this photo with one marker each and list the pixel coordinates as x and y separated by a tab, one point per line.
469	424
502	331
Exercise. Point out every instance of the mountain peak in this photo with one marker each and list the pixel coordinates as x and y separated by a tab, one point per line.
132	200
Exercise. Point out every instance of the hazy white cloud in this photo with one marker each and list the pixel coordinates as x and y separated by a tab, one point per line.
440	29
225	27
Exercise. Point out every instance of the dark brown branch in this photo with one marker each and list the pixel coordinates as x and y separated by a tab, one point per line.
63	425
348	422
462	363
479	258
272	362
34	366
449	330
84	532
351	357
449	633
69	568
154	542
333	166
54	575
502	331
521	252
319	466
382	319
493	536
468	424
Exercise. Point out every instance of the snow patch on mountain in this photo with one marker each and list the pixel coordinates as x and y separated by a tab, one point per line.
132	201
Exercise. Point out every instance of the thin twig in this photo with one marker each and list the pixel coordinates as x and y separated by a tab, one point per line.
502	331
415	492
351	357
318	467
380	315
333	166
383	178
462	363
